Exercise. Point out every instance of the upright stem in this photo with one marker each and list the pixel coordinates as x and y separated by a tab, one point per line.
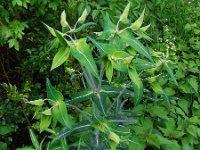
96	91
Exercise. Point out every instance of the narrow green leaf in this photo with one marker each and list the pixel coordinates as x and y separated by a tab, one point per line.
82	18
61	39
34	140
138	23
83	54
170	72
81	27
136	44
52	93
123	17
60	113
137	85
50	29
63	20
60	57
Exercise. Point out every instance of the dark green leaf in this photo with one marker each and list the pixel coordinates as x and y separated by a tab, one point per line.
60	57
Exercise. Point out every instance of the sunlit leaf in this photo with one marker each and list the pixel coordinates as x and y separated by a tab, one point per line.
123	17
60	57
145	28
50	29
114	137
47	112
38	102
63	20
137	24
44	123
82	18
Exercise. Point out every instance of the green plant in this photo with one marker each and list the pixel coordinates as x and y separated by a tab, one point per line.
125	62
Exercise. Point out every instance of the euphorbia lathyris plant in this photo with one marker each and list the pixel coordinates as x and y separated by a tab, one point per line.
118	53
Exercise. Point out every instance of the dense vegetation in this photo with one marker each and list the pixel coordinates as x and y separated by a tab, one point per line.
103	74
